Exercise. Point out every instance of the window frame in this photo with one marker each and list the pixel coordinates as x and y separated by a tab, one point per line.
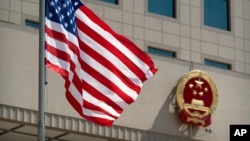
31	23
107	4
165	52
117	2
218	64
230	12
175	11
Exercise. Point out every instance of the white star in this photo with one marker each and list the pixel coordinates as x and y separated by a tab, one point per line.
62	16
74	28
206	89
198	83
50	15
64	5
65	24
194	92
76	3
201	93
52	3
68	14
191	85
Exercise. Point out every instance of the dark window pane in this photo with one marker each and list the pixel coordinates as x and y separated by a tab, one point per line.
162	7
161	52
33	24
111	1
216	13
217	64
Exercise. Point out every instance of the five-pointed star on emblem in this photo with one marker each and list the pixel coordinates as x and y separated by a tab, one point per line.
198	83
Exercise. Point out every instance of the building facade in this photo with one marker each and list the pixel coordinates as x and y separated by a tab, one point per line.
180	36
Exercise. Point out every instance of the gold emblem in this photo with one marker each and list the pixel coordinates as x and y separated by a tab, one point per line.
197	98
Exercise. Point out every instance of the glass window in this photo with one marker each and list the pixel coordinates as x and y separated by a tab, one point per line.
162	7
161	52
31	23
217	64
111	1
216	13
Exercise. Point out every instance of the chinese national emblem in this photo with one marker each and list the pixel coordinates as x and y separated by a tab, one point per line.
197	98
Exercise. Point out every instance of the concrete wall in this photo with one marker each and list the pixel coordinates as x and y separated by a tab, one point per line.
154	109
187	35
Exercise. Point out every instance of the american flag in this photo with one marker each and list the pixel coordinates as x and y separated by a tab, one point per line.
103	71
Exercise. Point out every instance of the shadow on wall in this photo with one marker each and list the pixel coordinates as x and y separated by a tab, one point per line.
167	122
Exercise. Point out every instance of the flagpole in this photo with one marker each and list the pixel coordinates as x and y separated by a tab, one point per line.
41	124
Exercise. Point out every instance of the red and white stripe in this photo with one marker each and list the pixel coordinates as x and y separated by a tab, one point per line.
103	70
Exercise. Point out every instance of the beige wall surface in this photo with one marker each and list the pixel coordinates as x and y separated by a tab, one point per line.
186	34
18	66
154	110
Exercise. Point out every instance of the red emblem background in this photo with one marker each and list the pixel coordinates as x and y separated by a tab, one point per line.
197	98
